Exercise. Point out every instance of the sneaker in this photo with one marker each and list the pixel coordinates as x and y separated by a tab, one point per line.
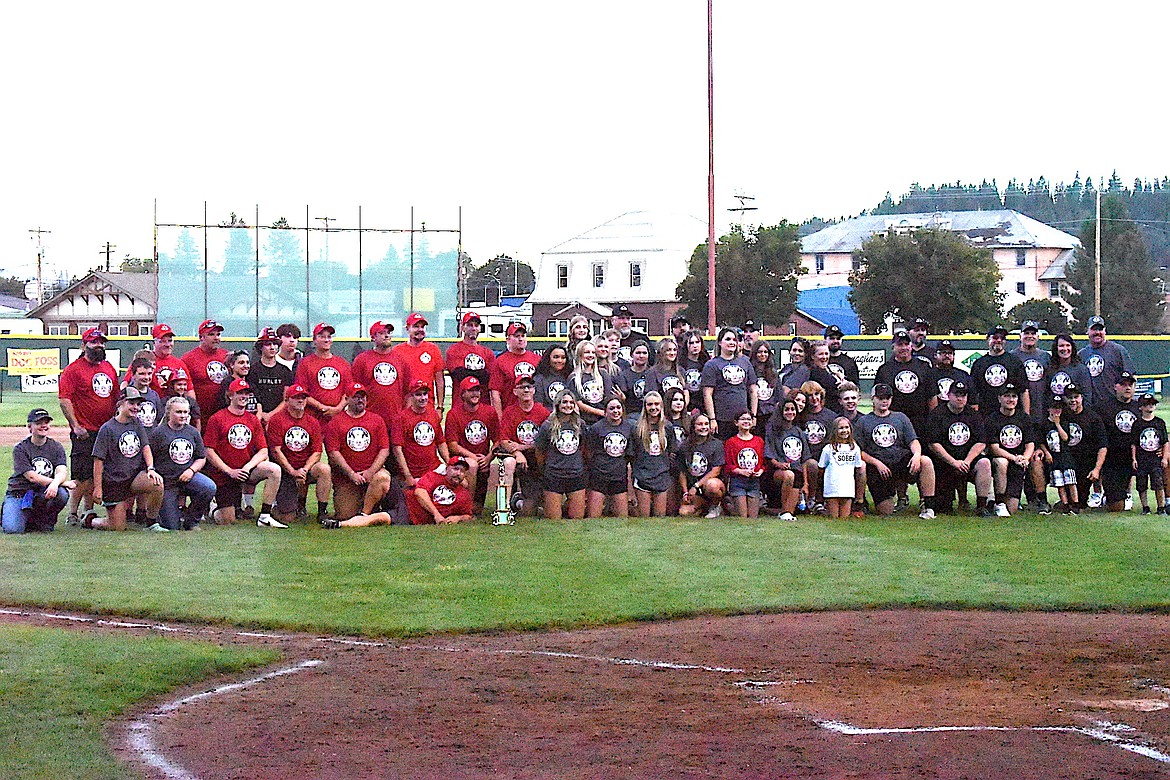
1146	510
266	520
1128	502
715	511
516	502
1042	507
1001	510
330	523
1163	511
248	512
986	511
819	509
1072	511
902	504
926	514
787	517
158	529
1095	499
72	519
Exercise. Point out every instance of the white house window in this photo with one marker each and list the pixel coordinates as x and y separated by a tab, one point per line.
640	323
118	329
1021	288
1054	289
1021	257
58	330
599	274
792	329
635	274
144	329
820	263
562	276
558	328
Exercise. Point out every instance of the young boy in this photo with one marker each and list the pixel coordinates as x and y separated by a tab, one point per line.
1058	457
1151	452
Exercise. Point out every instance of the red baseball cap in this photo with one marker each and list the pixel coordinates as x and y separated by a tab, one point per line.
516	327
469	383
180	373
321	327
207	326
417	385
416	318
458	460
160	330
380	326
93	334
355	388
238	386
268	336
296	391
470	316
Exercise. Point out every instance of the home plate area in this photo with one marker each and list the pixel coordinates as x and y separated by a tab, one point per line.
902	694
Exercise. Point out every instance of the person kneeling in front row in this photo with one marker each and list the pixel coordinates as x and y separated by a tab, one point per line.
39	486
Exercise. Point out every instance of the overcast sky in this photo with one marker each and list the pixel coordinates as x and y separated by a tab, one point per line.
545	119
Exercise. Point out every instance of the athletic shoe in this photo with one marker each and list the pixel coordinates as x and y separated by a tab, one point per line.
516	502
1001	510
1095	499
1145	510
1072	511
986	511
902	504
715	511
73	519
158	529
330	523
819	509
787	517
1128	502
1042	507
1163	511
266	520
926	514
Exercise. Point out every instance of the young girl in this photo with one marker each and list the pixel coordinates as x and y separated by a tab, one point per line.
700	462
786	448
665	374
743	456
840	463
767	384
605	357
678	425
690	362
558	450
589	383
578	332
654	450
608	451
552	375
632	380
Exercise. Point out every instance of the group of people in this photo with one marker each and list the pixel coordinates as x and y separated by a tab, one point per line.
601	424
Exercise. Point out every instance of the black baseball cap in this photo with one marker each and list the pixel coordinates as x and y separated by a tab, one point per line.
1126	378
1057	400
622	311
945	346
834	331
1009	389
1030	325
679	320
1072	388
36	415
750	325
883	391
996	330
958	386
919	322
901	334
1096	322
1148	398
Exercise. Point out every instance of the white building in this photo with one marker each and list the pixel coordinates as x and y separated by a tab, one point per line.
121	303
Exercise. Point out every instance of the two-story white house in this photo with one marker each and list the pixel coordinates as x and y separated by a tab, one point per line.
638	259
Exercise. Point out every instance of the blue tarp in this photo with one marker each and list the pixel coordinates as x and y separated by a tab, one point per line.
831	306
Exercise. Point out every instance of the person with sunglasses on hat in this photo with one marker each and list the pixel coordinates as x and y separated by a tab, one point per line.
1120	414
467	357
1105	361
993	370
358	445
422	360
843	367
237	450
123	467
325	374
88	393
165	361
381	371
513	363
267	375
207	365
472	428
1011	442
39	486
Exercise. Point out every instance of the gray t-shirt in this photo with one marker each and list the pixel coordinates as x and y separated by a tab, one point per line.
729	380
1035	364
119	446
563	458
609	449
785	443
150	413
695	460
1105	365
886	438
819	429
27	456
175	451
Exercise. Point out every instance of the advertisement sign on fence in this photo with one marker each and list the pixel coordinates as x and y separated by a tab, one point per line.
37	362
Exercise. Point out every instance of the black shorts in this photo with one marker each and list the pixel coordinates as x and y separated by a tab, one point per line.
656	485
797	475
881	488
1015	481
1115	479
1150	477
947	476
564	485
289	494
81	456
114	493
607	487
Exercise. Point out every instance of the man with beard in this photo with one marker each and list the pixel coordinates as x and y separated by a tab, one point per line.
1087	440
996	369
945	371
751	334
325	375
957	447
912	382
87	393
679	326
422	360
918	329
1105	360
843	367
1120	413
207	365
358	445
516	362
892	453
467	357
1011	443
382	373
622	319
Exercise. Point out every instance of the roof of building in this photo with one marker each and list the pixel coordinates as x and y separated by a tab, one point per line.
1058	271
140	286
1000	228
830	305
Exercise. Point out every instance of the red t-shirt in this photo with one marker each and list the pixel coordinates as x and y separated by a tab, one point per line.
448	500
507	369
207	371
743	454
326	379
384	380
235	439
164	371
297	439
473	430
93	389
424	362
358	439
520	426
464	360
418	436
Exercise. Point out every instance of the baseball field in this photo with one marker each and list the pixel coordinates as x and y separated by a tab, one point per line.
957	647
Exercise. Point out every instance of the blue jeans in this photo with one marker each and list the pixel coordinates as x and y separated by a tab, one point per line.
41	516
200	490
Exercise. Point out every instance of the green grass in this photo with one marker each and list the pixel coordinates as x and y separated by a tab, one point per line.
16	405
536	574
58	689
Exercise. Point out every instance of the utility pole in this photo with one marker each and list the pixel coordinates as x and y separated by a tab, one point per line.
1098	254
107	251
40	270
743	207
710	168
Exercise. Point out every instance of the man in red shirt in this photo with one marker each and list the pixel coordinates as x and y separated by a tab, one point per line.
358	445
416	436
207	364
439	497
238	453
87	393
382	373
165	362
295	440
325	375
516	448
422	360
471	428
468	357
517	361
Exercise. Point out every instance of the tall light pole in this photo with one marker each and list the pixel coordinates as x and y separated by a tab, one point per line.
710	170
40	258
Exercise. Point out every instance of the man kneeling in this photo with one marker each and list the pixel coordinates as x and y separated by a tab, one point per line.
123	466
440	496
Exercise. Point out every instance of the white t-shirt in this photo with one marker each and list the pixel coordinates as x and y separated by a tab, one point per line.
839	466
